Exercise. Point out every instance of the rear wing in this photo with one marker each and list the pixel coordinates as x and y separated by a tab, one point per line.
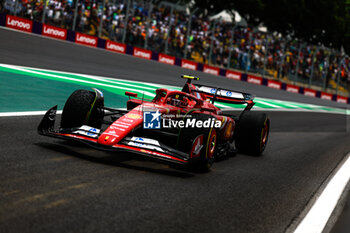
223	95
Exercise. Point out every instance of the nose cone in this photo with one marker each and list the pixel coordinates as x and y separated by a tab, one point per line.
121	128
108	140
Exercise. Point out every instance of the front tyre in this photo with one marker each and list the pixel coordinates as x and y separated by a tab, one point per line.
201	144
82	108
252	133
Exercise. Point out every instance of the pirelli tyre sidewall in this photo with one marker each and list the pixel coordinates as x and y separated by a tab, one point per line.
252	133
81	108
208	137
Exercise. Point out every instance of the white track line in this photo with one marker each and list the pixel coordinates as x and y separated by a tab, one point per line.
96	77
29	113
76	80
319	214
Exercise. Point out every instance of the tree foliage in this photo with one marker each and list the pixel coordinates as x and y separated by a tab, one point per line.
318	21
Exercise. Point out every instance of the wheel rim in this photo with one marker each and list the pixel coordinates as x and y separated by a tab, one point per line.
212	144
264	135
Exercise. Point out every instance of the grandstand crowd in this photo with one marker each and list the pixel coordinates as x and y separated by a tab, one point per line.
209	41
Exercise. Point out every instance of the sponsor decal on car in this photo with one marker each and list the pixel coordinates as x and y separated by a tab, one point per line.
146	143
223	93
133	116
87	131
19	23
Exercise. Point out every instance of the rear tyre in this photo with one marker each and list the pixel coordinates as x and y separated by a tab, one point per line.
81	108
252	133
205	137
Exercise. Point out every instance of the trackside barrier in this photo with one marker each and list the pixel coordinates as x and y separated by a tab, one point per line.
254	79
233	75
92	41
115	47
18	23
292	88
166	59
187	64
211	70
54	32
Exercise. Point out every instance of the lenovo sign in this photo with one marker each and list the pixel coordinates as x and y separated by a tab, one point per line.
19	23
254	79
233	75
342	99
309	92
274	84
115	47
85	39
292	88
188	64
166	59
211	70
142	53
326	96
55	32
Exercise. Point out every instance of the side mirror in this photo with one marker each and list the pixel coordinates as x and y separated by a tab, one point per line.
131	94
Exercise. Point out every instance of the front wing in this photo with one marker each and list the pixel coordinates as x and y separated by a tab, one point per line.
89	136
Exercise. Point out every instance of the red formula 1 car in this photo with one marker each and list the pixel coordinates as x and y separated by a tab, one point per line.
176	127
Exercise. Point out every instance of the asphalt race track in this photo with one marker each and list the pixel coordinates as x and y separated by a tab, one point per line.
48	185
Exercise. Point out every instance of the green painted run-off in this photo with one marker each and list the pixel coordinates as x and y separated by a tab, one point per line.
32	89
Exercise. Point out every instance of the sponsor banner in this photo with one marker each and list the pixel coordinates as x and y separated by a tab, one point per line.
166	59
54	32
342	99
254	79
274	84
233	75
309	92
188	64
84	39
115	46
326	96
142	53
292	88
19	23
211	70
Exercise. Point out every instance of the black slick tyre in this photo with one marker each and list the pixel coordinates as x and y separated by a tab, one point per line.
252	132
81	108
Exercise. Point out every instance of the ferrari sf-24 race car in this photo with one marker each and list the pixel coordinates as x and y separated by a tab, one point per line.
176	127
